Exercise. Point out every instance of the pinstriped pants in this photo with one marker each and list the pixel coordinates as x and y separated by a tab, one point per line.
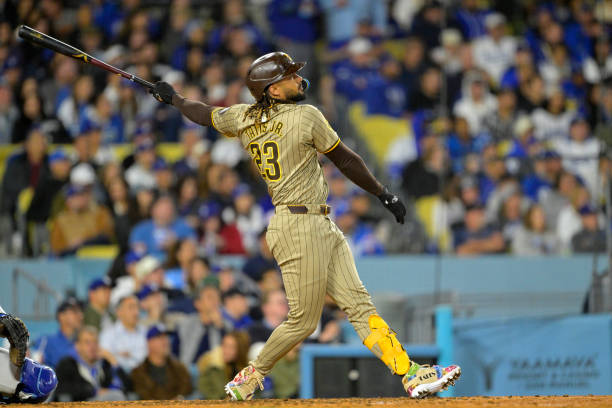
315	259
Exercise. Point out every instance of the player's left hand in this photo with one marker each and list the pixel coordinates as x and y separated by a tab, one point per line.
18	336
393	203
163	92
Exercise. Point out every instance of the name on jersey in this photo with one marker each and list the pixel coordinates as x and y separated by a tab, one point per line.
257	129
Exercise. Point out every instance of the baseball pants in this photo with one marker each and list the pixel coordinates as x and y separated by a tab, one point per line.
315	260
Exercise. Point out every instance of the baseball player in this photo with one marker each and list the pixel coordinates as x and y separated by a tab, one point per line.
283	139
21	379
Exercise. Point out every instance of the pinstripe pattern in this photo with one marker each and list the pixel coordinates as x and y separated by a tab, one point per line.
310	249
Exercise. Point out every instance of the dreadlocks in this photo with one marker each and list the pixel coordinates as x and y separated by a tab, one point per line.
263	107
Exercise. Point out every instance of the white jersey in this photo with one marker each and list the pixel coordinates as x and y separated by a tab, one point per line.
2	310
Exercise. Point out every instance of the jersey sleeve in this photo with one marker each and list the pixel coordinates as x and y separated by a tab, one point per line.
324	138
226	120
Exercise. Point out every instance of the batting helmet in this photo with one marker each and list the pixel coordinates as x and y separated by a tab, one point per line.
268	69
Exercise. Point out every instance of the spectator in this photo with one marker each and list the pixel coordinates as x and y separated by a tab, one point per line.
124	343
263	260
33	115
413	65
81	223
355	74
46	191
471	17
599	66
385	94
146	270
534	238
249	217
86	376
494	52
110	122
236	309
421	177
181	255
9	114
160	376
219	238
201	331
591	238
188	201
97	313
580	153
552	124
73	109
555	199
119	205
275	309
569	221
164	178
426	96
477	237
428	22
476	102
196	150
342	19
140	174
197	270
219	365
294	27
57	346
500	123
153	305
24	170
532	94
511	215
157	235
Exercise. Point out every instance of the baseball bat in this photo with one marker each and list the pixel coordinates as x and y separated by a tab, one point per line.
46	41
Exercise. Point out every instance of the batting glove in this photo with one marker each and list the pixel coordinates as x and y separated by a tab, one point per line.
163	92
18	336
393	204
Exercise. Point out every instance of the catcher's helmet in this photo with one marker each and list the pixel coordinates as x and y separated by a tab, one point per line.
268	69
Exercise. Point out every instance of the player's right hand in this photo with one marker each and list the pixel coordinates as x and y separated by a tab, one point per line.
18	336
163	92
394	204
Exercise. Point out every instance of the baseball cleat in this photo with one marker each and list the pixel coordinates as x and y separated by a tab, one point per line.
244	384
423	380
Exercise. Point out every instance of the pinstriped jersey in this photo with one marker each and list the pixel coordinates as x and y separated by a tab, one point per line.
284	147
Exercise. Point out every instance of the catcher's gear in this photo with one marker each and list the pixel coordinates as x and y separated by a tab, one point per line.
163	92
393	204
18	336
31	383
393	354
271	68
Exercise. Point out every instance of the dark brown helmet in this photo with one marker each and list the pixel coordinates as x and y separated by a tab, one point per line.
268	69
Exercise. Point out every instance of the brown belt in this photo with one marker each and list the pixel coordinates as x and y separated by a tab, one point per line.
303	209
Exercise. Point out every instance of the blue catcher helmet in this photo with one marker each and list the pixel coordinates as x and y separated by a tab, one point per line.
37	381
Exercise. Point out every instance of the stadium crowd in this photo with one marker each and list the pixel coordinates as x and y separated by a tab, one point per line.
509	107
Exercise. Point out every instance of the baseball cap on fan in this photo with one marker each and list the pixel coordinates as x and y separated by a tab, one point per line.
156	330
83	175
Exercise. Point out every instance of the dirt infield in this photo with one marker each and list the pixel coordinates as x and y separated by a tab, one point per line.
558	402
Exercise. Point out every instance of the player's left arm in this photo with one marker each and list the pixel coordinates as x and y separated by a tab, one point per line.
355	169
